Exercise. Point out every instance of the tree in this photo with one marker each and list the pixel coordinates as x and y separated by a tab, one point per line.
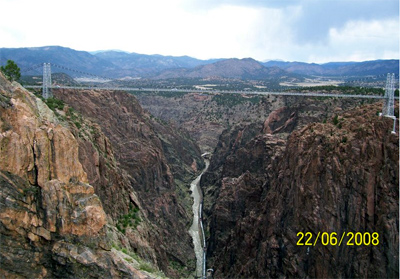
11	71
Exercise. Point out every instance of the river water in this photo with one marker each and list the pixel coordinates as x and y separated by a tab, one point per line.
195	230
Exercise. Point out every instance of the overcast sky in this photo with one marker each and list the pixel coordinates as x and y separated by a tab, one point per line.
292	30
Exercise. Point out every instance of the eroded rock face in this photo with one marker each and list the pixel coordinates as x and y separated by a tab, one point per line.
280	120
52	224
141	163
206	117
340	177
33	143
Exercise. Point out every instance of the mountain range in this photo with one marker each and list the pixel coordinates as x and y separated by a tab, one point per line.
118	64
246	68
375	67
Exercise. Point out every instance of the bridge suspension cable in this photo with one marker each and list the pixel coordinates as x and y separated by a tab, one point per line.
47	86
33	68
367	78
81	72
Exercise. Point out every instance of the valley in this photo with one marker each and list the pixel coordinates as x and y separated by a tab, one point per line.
108	184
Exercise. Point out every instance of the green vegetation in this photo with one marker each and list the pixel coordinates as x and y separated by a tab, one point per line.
231	100
172	94
78	124
145	266
6	126
11	71
140	263
335	120
131	219
31	190
76	118
54	103
177	266
344	90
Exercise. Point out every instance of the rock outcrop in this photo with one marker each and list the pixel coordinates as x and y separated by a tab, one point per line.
340	176
149	167
52	224
94	188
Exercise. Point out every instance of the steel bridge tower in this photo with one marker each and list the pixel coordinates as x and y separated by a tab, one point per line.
388	103
46	93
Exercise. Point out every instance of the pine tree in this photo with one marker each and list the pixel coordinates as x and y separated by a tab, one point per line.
11	71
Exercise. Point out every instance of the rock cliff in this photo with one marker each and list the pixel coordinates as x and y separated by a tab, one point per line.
52	224
340	176
151	170
206	116
94	188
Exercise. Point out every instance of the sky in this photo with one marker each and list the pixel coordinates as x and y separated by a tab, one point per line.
292	30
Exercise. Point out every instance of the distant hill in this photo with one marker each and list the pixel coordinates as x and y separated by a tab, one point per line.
78	60
376	67
150	63
246	68
117	64
107	63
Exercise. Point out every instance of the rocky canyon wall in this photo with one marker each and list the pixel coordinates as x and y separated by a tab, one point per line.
153	168
95	188
52	224
340	176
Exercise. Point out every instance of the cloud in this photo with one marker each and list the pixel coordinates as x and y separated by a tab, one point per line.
292	29
318	17
372	38
358	40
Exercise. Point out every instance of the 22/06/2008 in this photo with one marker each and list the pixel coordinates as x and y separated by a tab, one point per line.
332	239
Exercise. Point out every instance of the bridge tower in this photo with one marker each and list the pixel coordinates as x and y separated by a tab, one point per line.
388	103
46	93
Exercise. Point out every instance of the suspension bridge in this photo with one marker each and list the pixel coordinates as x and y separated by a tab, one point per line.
47	86
387	111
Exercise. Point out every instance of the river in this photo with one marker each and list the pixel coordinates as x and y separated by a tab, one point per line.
196	228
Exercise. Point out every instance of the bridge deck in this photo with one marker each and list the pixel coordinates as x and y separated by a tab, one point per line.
309	94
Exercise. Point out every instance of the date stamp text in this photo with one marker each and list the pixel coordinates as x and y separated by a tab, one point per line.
334	239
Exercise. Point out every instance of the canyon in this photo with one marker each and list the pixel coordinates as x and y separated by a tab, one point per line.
288	165
99	185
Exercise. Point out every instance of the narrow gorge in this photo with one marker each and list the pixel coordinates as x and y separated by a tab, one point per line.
105	184
284	165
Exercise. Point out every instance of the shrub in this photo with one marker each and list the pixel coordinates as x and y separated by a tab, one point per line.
78	124
335	120
146	267
54	103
